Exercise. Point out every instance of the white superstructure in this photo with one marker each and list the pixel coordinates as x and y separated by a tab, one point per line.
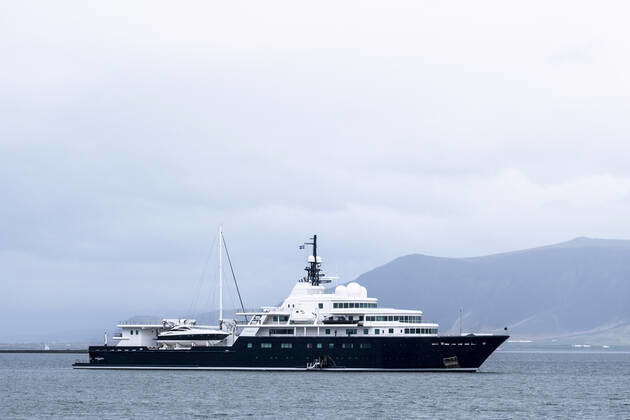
312	310
309	310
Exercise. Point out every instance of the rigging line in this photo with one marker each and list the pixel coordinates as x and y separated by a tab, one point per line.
210	299
227	254
234	307
192	309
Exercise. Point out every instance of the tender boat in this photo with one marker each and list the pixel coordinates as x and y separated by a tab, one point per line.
186	334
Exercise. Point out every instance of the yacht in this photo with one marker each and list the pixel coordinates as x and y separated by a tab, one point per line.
315	328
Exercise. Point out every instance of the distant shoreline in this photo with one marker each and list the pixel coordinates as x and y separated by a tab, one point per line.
75	351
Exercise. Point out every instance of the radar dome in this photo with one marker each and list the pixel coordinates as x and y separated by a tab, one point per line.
356	290
341	290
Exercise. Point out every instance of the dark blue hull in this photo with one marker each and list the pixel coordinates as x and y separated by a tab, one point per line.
297	353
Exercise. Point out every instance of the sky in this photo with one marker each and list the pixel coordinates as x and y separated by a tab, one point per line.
129	131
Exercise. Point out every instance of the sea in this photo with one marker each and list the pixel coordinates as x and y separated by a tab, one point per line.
512	384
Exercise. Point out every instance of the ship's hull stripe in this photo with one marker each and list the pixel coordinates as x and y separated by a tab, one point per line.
276	369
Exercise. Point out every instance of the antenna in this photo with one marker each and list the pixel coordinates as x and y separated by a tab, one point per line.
460	321
220	275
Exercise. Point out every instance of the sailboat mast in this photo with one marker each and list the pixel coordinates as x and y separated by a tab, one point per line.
220	274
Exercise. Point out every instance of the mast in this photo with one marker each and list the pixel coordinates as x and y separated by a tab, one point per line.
220	275
313	268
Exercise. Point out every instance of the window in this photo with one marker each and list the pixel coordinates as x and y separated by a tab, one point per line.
331	345
131	332
327	331
265	345
377	331
366	345
286	345
309	345
350	331
406	330
347	345
345	304
320	305
250	345
319	345
366	331
391	331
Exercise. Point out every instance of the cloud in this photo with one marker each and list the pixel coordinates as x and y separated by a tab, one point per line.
128	133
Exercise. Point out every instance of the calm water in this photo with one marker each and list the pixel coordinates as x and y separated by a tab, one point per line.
511	385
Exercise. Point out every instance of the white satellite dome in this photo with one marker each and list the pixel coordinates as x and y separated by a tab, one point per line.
341	290
354	289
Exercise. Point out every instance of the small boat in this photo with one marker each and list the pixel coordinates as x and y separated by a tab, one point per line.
299	316
187	334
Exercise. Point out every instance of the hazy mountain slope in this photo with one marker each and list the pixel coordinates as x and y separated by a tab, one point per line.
578	286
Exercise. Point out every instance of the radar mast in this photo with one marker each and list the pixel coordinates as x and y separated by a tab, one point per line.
313	269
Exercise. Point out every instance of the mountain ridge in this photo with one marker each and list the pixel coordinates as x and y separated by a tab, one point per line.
577	288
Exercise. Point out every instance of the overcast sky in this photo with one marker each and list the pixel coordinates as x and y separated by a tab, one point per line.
130	130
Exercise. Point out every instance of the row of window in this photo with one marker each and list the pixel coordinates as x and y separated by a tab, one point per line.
349	331
420	330
354	331
405	318
310	345
280	318
281	331
353	305
131	332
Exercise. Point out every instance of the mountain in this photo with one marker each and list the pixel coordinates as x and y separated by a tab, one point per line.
576	291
